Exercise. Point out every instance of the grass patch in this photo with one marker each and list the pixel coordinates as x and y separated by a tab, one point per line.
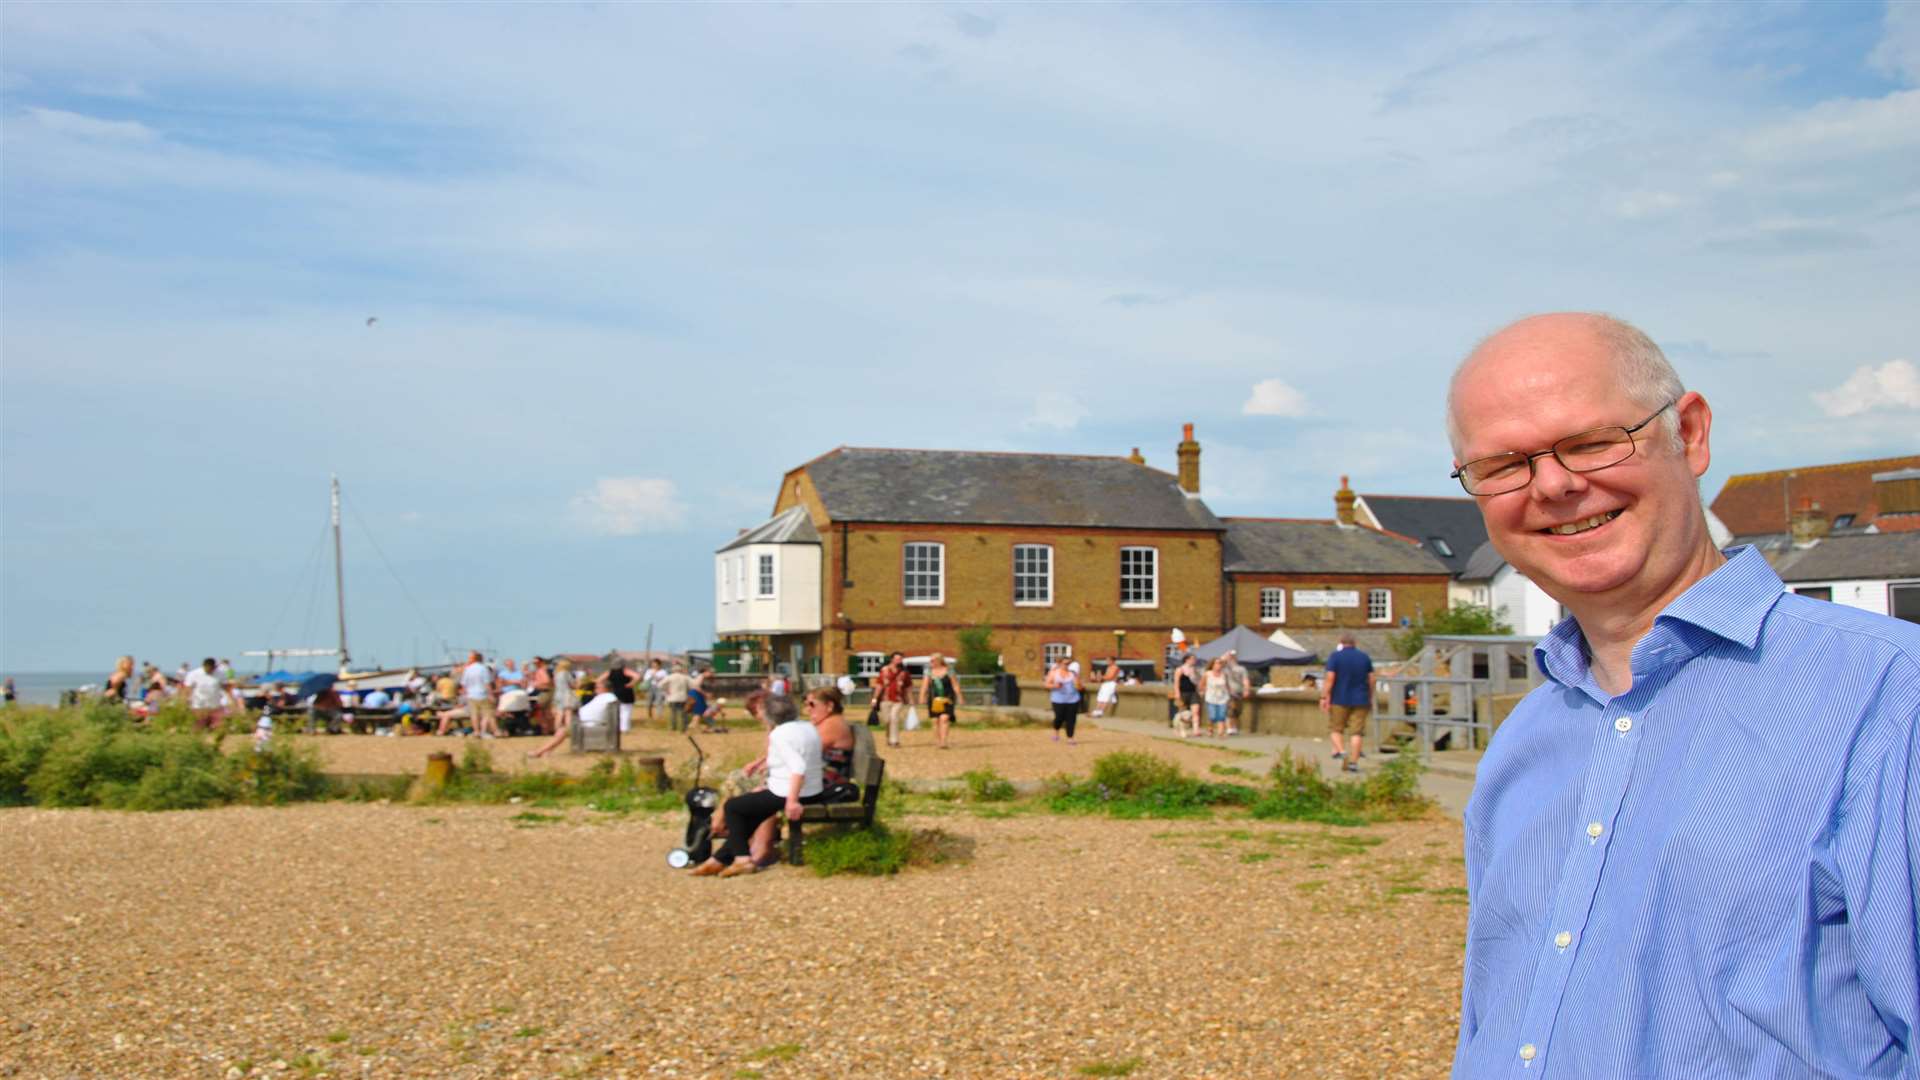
1109	1068
986	785
527	819
606	788
880	852
338	1036
776	1052
1309	886
98	755
528	1032
1301	793
1132	784
1255	856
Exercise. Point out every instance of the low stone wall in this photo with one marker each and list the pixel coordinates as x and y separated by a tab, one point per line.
1289	712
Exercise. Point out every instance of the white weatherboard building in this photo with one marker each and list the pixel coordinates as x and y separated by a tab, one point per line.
767	581
1877	572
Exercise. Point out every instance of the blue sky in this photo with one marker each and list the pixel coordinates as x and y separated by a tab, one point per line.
630	263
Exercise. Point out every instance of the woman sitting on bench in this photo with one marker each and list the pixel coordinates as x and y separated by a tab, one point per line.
793	780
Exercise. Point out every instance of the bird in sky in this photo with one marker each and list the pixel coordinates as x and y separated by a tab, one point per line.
371	319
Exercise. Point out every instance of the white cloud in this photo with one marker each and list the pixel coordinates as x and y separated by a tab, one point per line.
630	505
1893	385
91	127
1644	204
1273	397
1056	411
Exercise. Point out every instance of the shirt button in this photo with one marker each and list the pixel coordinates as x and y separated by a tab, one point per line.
1527	1052
1563	939
1594	829
1623	725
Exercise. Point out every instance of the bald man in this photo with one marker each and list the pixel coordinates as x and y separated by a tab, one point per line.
1693	850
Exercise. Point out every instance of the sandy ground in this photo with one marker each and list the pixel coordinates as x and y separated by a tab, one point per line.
1019	753
354	940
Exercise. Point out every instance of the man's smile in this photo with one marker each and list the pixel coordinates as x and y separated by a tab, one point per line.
1573	528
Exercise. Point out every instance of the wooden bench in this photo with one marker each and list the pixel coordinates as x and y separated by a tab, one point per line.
869	769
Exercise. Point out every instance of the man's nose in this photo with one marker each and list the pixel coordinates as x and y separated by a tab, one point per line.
1552	480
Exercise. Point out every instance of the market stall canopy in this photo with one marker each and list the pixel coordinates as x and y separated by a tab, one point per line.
1253	650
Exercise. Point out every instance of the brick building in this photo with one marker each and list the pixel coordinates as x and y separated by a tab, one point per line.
1316	578
1844	496
906	548
872	550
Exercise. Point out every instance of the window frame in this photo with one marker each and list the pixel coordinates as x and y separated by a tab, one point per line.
860	670
1895	589
1153	579
1054	650
1279	590
1386	595
939	573
1047	577
766	576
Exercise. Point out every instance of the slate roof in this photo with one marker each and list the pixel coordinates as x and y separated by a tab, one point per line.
1293	546
1423	517
1754	503
1871	556
964	487
1483	563
790	526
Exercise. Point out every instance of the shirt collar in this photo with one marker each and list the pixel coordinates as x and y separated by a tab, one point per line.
1729	603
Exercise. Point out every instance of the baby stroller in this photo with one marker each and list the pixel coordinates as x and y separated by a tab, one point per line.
701	803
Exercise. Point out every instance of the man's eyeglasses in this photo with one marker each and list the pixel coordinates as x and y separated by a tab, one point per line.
1586	451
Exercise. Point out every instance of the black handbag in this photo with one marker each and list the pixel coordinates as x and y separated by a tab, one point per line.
873	715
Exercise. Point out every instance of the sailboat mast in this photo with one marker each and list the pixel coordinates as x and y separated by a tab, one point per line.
339	578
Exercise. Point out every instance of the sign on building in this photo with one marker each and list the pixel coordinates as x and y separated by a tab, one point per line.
1326	598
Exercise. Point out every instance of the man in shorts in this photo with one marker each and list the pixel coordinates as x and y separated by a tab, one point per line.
477	684
206	697
1347	699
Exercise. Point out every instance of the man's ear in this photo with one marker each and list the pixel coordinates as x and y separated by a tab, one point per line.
1696	424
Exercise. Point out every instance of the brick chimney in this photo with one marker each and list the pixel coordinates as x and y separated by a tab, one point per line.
1136	457
1189	455
1343	504
1810	523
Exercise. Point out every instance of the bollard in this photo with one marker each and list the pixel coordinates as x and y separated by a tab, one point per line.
654	768
439	771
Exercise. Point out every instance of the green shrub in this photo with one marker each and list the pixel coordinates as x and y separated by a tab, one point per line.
96	755
873	851
985	784
1130	772
475	758
1130	784
879	851
1300	793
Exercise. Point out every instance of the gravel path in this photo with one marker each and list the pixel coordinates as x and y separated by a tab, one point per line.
1023	753
372	940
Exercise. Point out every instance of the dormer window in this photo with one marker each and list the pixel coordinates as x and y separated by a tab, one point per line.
1445	549
1843	521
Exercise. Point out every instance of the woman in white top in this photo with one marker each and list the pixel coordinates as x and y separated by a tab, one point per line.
794	767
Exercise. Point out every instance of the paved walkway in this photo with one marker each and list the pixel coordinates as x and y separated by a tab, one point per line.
1448	779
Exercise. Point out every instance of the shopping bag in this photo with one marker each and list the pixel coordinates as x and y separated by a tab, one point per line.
913	719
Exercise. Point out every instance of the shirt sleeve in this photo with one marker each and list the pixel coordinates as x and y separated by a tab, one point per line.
1876	852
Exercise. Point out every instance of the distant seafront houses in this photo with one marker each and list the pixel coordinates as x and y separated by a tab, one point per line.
1092	557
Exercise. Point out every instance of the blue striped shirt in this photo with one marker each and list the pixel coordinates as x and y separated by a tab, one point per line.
1713	874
